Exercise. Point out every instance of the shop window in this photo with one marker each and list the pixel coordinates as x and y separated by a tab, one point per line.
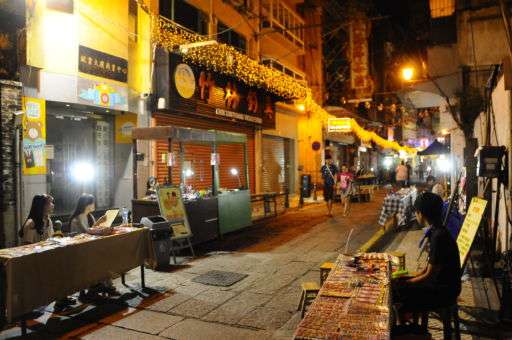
184	14
231	37
441	8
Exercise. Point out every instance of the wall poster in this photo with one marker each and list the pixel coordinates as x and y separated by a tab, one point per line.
34	136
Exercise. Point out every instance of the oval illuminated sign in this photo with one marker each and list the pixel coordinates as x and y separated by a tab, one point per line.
185	81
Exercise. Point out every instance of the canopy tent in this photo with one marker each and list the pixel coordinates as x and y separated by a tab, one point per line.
435	148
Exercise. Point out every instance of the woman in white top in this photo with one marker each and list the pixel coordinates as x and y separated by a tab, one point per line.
38	225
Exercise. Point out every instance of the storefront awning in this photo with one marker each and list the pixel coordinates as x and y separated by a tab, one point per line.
180	134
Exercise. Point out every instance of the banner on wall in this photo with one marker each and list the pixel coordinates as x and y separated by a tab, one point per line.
124	125
34	136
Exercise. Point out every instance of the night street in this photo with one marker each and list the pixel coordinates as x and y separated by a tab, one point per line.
277	256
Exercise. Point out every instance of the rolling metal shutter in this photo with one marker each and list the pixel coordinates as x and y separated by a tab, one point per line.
276	164
231	155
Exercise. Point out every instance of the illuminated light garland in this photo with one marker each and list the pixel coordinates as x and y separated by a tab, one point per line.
225	59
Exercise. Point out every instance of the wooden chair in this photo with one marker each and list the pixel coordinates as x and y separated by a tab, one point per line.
325	269
309	292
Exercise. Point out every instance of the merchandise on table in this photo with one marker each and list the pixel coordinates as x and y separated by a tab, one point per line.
353	302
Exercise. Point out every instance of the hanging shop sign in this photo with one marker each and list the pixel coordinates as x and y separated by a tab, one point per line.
360	78
339	125
173	210
102	64
199	91
34	136
470	227
102	94
124	125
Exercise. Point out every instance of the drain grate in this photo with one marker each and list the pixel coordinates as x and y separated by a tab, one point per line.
219	278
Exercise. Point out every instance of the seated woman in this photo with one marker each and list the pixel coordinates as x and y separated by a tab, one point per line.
82	221
439	284
38	225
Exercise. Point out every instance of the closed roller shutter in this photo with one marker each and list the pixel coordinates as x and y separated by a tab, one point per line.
275	176
231	155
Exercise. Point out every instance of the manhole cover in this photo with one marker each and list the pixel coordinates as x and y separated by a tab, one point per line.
219	278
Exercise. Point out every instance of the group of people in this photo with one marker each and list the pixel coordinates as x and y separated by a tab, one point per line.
38	227
337	182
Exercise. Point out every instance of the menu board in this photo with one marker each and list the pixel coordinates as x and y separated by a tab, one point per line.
172	209
470	227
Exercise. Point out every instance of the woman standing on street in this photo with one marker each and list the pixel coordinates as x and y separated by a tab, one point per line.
345	180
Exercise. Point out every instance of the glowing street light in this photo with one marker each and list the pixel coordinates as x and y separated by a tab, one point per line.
234	172
407	73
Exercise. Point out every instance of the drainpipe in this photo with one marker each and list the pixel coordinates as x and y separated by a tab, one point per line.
17	165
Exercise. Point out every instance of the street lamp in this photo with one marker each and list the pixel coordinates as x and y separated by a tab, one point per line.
407	73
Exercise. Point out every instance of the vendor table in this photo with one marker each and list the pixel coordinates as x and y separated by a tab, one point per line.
354	302
37	274
399	203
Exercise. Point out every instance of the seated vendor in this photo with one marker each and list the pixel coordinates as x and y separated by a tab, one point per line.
82	220
38	225
439	284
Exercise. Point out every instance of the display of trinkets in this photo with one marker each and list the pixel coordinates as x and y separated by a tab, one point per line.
353	302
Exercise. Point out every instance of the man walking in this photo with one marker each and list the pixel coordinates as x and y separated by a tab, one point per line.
401	174
329	172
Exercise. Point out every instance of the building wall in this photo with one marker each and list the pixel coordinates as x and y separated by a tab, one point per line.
53	38
10	102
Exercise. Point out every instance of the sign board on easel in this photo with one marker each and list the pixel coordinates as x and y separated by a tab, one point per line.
173	210
470	227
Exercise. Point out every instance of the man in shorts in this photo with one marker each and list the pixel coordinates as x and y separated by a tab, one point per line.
329	172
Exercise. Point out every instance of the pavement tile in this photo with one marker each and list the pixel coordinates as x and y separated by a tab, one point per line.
113	333
271	283
286	299
294	268
148	322
266	318
171	300
245	283
236	308
202	304
191	329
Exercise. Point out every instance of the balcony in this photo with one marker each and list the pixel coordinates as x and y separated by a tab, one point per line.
274	64
277	16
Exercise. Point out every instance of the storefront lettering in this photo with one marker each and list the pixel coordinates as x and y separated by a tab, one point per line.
102	64
239	116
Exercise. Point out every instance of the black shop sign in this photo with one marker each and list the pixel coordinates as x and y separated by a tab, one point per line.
200	91
102	64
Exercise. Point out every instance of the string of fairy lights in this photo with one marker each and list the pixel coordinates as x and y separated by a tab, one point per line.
224	59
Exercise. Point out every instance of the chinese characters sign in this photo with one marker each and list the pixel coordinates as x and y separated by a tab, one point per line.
359	70
470	227
102	65
34	136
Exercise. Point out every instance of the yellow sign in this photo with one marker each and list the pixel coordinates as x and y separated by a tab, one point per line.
34	136
339	125
185	81
173	210
470	227
124	125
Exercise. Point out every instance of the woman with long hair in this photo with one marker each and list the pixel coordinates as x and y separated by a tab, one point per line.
38	225
82	220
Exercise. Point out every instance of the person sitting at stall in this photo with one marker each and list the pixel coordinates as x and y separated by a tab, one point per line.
82	221
38	226
439	284
455	219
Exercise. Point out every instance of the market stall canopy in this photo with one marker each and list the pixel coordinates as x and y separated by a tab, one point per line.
435	148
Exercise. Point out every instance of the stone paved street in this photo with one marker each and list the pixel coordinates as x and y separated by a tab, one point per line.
277	255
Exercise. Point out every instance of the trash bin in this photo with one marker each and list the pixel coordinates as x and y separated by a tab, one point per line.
160	232
305	185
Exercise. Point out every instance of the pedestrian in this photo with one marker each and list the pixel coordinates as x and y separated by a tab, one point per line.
409	173
431	181
329	172
439	283
401	174
345	186
421	171
38	226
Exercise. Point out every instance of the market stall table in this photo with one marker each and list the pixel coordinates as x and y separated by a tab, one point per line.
35	275
399	204
354	301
